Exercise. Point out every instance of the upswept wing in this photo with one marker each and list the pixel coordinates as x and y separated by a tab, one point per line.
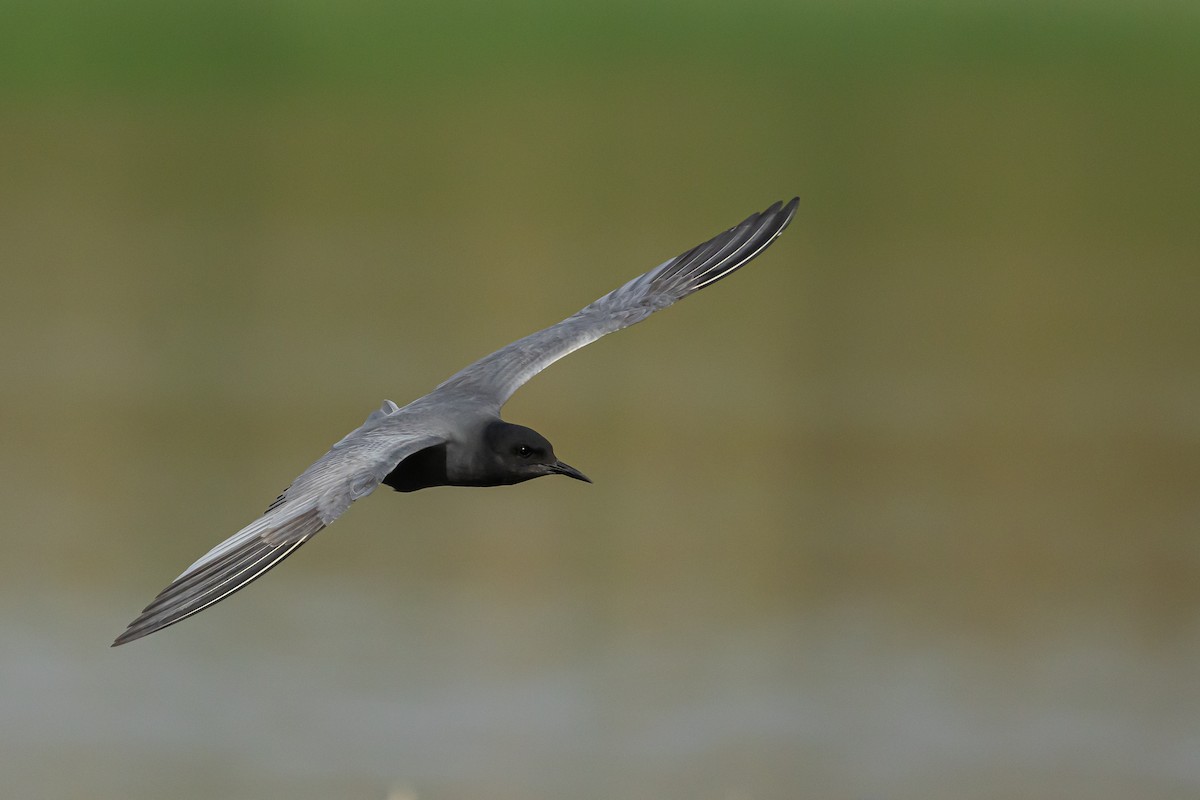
494	378
352	468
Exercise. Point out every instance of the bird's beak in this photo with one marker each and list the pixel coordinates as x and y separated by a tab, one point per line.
559	468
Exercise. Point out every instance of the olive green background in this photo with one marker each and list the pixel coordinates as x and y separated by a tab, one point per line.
907	509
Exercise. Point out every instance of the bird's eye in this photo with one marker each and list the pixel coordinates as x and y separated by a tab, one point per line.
524	451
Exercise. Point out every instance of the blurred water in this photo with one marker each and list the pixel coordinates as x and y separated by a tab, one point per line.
346	691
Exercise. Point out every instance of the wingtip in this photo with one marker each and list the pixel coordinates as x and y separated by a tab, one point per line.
779	214
132	632
783	212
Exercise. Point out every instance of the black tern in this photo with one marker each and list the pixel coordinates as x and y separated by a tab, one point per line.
452	436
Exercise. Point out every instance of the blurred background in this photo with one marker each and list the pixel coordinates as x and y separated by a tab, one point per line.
906	510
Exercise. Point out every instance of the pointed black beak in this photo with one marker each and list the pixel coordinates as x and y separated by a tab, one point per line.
559	468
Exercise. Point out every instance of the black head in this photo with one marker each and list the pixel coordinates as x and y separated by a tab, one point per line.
519	453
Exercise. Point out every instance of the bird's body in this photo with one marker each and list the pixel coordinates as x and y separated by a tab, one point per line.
454	435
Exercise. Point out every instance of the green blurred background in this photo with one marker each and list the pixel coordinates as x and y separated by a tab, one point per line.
908	509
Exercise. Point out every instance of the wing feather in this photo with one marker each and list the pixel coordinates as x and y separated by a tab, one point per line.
353	468
494	378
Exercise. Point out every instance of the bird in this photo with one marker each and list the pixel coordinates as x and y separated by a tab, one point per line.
454	435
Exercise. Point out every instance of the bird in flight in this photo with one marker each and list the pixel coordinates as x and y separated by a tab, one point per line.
452	436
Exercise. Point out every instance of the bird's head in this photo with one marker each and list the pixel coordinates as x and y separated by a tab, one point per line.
522	453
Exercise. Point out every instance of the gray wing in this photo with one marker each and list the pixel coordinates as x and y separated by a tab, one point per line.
495	377
351	469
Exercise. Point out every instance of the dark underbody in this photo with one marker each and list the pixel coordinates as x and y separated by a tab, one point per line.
421	470
502	455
